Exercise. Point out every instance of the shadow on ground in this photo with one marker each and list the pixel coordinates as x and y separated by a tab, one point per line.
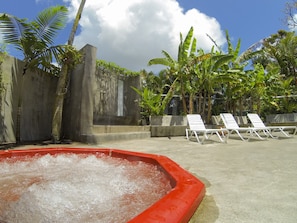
208	211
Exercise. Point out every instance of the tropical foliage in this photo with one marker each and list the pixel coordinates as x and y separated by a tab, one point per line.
278	58
261	80
116	68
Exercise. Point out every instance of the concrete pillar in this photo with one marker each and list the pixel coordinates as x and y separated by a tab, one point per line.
78	112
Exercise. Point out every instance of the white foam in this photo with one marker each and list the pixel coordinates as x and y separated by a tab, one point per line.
72	188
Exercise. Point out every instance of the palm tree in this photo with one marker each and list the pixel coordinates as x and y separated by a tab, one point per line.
35	39
70	60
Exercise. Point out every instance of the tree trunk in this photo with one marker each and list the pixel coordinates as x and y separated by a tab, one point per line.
209	110
191	104
58	106
62	84
204	105
199	103
234	107
259	106
240	106
185	110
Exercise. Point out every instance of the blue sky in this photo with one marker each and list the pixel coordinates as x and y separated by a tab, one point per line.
131	32
249	20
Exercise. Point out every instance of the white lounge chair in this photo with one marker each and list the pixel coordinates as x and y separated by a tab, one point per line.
258	123
231	124
197	127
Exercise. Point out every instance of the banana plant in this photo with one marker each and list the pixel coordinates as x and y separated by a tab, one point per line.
210	75
178	69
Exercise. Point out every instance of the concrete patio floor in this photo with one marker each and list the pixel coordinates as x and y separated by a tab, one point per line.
245	182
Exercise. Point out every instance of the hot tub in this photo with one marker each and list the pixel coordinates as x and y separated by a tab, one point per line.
176	206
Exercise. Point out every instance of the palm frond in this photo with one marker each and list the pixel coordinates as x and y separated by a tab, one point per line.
214	42
13	29
168	57
222	59
230	47
49	21
237	49
166	61
188	41
159	61
43	59
247	55
193	47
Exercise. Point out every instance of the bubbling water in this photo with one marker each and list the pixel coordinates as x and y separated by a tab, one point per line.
77	188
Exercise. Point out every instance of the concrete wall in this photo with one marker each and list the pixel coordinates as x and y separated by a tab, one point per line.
282	118
115	102
168	125
38	96
26	103
241	121
11	80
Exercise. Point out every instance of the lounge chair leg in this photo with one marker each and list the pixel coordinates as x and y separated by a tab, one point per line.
243	139
220	137
282	131
257	134
268	133
197	137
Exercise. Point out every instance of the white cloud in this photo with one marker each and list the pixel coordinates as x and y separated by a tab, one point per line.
130	33
292	23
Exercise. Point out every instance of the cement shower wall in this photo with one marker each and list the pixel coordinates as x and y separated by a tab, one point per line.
26	103
115	102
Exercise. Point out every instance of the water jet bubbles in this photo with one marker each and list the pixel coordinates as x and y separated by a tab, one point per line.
78	188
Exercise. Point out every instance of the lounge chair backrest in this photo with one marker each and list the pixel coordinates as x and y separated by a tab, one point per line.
195	122
256	120
229	121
